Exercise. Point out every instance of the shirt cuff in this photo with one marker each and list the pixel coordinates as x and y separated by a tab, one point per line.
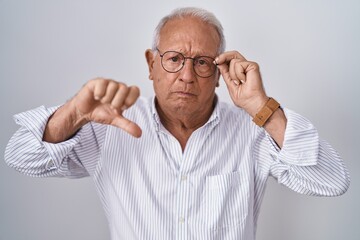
301	141
35	122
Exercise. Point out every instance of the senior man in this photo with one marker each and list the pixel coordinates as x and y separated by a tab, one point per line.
182	164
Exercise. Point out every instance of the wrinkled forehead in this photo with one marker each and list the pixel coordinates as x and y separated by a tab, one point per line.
189	35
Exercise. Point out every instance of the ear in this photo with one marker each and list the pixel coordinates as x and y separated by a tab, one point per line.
150	59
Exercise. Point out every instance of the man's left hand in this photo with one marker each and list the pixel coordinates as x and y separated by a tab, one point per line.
243	81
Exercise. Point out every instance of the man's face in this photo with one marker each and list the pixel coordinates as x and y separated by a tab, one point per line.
184	92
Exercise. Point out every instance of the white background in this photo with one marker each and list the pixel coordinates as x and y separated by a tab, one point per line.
308	52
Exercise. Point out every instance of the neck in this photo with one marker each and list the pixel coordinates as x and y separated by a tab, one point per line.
181	125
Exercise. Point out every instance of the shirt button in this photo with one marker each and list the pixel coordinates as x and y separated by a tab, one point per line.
183	178
182	220
50	165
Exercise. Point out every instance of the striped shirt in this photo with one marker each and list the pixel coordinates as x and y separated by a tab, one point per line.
151	189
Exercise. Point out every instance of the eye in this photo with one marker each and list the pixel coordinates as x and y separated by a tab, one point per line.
202	62
175	59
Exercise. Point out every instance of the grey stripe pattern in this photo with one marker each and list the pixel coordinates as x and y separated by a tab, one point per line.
151	189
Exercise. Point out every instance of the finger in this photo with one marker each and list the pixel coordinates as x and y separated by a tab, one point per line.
127	125
111	90
119	98
224	70
232	70
240	72
99	87
226	57
235	71
133	95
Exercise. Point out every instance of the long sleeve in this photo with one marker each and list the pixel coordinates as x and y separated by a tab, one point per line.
307	164
28	154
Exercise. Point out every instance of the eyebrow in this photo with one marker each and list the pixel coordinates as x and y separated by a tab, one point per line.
198	54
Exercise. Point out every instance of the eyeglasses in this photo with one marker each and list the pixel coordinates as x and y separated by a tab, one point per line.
173	62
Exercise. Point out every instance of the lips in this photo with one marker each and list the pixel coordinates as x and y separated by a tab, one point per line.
184	93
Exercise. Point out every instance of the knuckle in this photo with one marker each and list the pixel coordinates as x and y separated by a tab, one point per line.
100	84
123	89
92	82
255	65
235	54
112	85
95	79
237	62
122	86
100	80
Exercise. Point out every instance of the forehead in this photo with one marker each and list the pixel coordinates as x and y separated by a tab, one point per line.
189	35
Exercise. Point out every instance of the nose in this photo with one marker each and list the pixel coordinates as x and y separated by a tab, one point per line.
187	73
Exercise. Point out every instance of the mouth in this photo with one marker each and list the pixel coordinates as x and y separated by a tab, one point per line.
184	94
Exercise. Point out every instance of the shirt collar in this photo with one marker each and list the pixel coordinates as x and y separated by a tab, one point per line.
155	114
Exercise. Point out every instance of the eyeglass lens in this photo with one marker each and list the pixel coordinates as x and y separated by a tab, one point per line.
174	62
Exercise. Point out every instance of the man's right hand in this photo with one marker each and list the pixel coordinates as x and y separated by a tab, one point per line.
103	101
100	100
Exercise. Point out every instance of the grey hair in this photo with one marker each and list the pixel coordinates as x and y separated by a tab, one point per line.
200	13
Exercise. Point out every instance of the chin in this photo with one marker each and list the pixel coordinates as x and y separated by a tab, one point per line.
185	107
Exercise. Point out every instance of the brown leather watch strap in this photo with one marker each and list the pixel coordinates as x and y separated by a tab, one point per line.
265	113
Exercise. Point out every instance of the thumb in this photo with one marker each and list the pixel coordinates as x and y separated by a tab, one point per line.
127	125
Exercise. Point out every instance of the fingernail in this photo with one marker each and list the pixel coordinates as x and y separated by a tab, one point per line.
123	108
97	97
236	82
216	60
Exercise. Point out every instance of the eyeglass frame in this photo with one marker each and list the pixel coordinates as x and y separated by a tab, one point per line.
183	64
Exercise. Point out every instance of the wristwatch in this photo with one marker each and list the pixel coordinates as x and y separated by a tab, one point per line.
265	112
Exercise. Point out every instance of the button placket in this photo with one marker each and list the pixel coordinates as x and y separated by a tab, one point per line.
183	205
183	178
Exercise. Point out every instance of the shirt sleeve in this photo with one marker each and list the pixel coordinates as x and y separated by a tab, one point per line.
27	153
307	164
